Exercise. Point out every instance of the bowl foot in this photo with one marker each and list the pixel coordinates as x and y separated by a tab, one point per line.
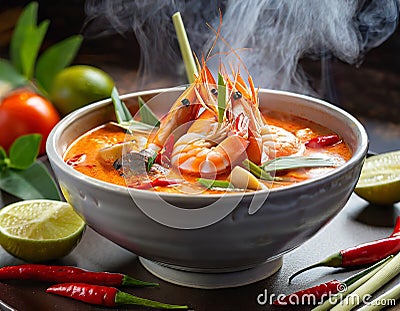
211	280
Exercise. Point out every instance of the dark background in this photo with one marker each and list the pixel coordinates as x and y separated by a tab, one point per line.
370	92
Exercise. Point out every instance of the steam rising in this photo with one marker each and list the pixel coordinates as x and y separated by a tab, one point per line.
271	36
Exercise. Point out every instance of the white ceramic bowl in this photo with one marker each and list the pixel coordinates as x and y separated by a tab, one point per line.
287	217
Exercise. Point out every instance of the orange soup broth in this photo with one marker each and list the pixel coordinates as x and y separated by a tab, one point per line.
82	154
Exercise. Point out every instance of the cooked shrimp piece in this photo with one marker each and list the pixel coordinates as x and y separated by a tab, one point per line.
278	142
244	101
209	148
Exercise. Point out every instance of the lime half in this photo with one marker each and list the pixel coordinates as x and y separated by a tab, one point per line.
40	230
379	181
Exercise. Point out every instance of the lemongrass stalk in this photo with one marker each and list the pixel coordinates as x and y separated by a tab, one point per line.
382	277
383	300
335	299
186	51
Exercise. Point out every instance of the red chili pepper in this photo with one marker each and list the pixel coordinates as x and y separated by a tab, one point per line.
318	293
361	254
312	295
75	160
105	296
323	141
156	182
48	273
396	230
164	156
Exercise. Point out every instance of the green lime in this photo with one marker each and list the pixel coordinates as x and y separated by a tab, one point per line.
379	181
40	230
77	86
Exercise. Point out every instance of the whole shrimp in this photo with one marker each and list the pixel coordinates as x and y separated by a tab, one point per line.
210	148
266	142
185	109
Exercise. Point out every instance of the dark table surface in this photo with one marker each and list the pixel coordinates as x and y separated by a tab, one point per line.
357	222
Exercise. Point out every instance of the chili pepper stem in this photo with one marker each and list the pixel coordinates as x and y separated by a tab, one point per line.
129	281
123	298
334	260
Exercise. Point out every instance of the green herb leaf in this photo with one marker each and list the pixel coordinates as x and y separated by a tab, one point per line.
257	171
221	98
9	74
56	58
24	150
3	157
124	117
147	116
211	183
133	126
30	48
150	161
26	21
288	163
32	183
121	111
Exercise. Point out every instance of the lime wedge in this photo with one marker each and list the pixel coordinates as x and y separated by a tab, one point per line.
379	181
40	230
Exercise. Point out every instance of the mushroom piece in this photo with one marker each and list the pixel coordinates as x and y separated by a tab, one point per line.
108	155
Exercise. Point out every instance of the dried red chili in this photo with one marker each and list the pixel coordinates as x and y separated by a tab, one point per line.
52	273
362	254
105	296
323	141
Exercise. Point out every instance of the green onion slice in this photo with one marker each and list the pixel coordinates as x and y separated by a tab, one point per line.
211	183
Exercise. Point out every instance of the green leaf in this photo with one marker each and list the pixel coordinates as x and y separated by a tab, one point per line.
221	98
24	150
133	126
32	183
10	75
150	161
26	21
121	111
56	58
30	47
147	116
211	183
3	157
124	117
288	163
257	171
3	153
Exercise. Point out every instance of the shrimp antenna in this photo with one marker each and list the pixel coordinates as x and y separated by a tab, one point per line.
232	50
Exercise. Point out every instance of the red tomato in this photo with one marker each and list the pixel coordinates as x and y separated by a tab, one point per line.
25	112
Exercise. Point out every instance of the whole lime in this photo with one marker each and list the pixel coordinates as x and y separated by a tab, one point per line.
79	85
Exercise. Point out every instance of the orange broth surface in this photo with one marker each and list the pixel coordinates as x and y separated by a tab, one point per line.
83	156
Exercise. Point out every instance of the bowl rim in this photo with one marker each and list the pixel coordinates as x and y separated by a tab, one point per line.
57	159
